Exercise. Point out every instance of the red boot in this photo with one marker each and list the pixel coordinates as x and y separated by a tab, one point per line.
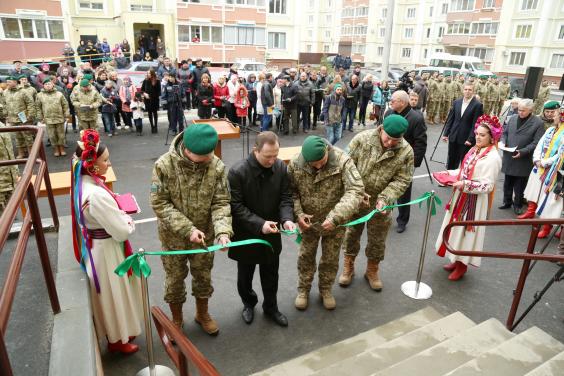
459	271
127	348
545	231
559	234
530	213
450	267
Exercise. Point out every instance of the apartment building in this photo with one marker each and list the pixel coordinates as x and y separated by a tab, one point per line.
319	25
31	29
283	21
531	33
354	29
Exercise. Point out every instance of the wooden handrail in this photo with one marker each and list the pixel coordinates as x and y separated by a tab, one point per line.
186	352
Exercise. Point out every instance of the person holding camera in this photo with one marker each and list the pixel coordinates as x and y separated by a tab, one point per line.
109	108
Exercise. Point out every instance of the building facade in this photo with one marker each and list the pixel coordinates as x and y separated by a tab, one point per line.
283	21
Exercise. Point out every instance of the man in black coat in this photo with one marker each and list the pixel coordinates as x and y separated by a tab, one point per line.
459	126
260	201
416	136
289	104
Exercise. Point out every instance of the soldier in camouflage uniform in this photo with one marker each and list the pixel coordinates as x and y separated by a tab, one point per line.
385	161
327	190
86	101
52	109
542	97
26	87
8	174
190	197
492	96
481	89
504	91
448	97
458	86
2	107
550	113
433	98
18	102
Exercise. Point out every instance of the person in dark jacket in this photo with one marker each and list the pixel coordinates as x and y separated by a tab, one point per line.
351	102
523	131
320	82
289	94
198	71
416	136
185	78
251	86
173	97
151	89
267	101
420	87
260	202
366	92
305	98
205	97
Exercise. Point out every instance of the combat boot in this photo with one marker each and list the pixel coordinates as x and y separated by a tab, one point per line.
176	310
301	300
203	317
328	299
348	271
372	276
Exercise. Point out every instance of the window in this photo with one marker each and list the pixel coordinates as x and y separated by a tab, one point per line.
523	31
204	33
359	49
444	8
428	32
347	12
461	5
347	30
517	58
485	54
406	52
561	33
529	4
410	12
425	52
311	3
458	28
277	6
557	61
360	30
328	19
308	48
431	12
94	5
382	32
380	51
438	50
244	35
259	3
408	32
325	48
488	28
441	31
361	11
488	4
18	28
310	33
327	33
277	40
310	19
384	12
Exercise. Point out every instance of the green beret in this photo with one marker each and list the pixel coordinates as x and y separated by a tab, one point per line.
337	86
21	76
84	82
313	148
88	77
48	79
447	74
551	105
395	125
483	77
11	78
200	138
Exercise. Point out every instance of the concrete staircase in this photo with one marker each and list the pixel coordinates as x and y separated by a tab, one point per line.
426	343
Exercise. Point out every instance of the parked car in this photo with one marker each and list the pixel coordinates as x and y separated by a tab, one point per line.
393	76
137	71
466	64
247	67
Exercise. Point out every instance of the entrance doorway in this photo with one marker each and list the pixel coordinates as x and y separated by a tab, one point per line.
146	35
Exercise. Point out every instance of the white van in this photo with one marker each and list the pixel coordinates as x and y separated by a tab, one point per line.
466	64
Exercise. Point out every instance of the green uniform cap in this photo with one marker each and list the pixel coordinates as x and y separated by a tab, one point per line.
447	74
200	138
21	76
395	125
313	148
483	77
88	77
48	79
84	82
11	78
551	105
337	86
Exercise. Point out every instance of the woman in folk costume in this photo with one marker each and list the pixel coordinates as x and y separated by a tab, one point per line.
548	158
100	232
472	196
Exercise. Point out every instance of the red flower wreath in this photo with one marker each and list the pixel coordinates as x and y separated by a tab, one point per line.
492	123
89	140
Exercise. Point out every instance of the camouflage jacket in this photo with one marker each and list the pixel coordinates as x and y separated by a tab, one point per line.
450	93
458	89
434	87
187	196
481	90
441	93
52	107
8	175
492	92
504	91
30	90
544	94
90	97
17	101
2	106
332	193
386	174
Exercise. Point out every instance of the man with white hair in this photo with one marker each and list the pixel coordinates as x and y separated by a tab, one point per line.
522	132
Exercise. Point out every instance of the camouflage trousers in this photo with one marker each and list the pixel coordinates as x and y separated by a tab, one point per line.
23	139
88	124
4	197
432	109
328	263
499	107
445	107
489	107
176	270
56	133
377	231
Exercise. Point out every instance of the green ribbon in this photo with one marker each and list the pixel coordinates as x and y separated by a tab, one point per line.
137	263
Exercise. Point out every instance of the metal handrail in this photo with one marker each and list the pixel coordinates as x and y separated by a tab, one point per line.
25	189
185	350
527	257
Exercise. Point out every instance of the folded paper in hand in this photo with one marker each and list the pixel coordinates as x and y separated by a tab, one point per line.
22	117
505	148
127	203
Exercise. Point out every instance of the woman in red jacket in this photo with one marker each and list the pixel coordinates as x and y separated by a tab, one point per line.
220	95
242	105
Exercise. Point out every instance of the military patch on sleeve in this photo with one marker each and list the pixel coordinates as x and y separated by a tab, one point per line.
154	188
354	175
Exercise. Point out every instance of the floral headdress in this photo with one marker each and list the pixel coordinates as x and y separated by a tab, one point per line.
492	123
89	142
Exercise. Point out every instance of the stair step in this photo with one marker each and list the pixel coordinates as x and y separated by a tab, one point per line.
400	348
517	356
326	356
552	367
453	352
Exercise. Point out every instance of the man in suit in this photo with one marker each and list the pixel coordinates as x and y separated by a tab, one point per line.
260	200
523	132
459	127
416	136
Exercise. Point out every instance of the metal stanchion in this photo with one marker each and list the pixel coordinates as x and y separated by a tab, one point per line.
152	369
417	289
